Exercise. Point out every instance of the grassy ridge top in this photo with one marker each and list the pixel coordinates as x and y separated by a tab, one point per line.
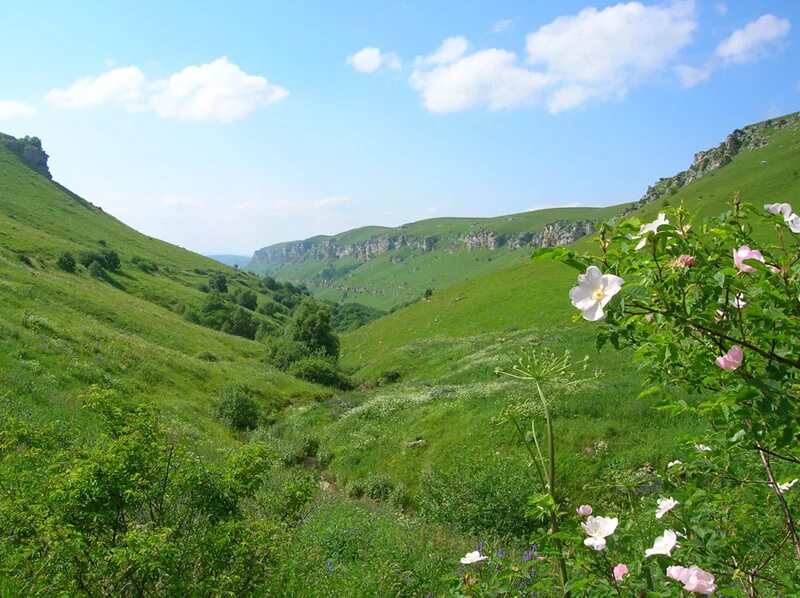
395	276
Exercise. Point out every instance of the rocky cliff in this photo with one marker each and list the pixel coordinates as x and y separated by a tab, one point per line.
560	232
749	138
30	151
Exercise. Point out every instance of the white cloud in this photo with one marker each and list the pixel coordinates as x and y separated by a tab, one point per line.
749	43
12	108
502	25
596	54
721	8
123	85
451	50
604	53
216	91
488	77
330	202
690	76
219	90
370	59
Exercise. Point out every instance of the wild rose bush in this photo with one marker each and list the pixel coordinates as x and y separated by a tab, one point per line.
712	306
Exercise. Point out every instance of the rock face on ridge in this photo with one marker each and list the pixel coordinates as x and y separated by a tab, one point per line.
557	233
30	151
749	138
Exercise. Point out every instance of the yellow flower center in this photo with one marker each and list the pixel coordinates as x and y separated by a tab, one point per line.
598	295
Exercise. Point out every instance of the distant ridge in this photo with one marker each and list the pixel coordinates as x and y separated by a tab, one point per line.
385	267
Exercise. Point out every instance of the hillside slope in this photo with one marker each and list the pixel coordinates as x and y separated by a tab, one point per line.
62	332
534	296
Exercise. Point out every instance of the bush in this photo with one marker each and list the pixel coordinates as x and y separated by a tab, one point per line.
311	325
110	259
238	408
283	352
66	261
320	370
85	258
96	270
144	265
378	486
218	282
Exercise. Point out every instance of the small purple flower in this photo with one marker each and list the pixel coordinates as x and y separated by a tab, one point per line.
500	553
481	546
329	564
528	556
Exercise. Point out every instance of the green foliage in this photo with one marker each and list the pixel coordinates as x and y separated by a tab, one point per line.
133	511
217	281
349	316
283	352
311	325
96	270
66	261
110	259
238	407
320	370
145	265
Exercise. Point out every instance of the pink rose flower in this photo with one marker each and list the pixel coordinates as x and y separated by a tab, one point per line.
584	510
731	360
686	260
620	571
745	253
694	579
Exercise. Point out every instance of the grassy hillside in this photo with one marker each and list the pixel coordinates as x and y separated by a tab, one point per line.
444	350
396	276
65	331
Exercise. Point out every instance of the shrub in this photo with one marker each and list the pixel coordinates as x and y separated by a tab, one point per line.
238	408
110	259
96	270
283	352
320	370
218	282
144	265
66	261
378	486
311	325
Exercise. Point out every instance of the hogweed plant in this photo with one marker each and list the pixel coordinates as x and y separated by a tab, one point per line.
712	306
549	375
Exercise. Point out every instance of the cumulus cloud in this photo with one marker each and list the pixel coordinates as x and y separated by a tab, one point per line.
451	50
752	41
216	91
595	54
12	109
219	90
690	76
604	53
743	45
492	78
370	59
502	25
123	85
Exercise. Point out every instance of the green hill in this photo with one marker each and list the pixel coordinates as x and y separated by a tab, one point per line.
386	267
444	350
129	328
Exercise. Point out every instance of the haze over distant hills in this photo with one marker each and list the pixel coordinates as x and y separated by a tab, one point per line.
232	260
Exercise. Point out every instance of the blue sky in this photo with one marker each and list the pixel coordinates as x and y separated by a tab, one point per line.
224	127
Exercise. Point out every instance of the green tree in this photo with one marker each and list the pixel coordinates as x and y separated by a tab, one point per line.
311	325
218	281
